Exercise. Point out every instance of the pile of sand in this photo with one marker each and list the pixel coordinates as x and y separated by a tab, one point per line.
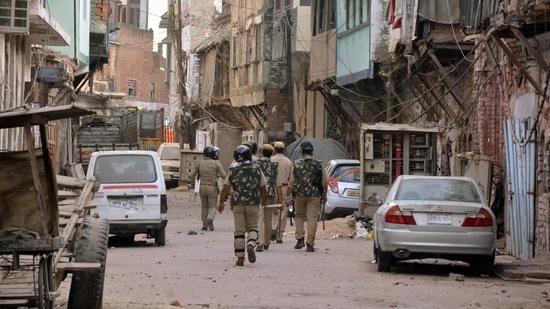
335	228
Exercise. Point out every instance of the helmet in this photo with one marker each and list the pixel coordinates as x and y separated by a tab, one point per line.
252	145
216	153
242	154
254	148
306	146
211	152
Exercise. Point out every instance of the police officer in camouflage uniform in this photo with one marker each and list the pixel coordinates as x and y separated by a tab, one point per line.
274	196
308	184
248	190
207	171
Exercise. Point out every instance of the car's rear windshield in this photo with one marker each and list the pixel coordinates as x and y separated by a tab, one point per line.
170	153
347	173
439	189
125	169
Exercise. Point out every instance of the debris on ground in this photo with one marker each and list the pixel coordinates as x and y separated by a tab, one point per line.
351	226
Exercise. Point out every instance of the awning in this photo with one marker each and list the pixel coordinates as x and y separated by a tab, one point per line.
38	116
217	37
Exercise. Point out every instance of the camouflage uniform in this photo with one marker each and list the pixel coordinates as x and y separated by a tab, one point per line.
270	171
245	181
306	196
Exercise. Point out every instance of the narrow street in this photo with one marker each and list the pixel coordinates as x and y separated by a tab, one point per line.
197	271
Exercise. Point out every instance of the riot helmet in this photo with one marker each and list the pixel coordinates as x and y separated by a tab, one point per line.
216	155
242	154
210	152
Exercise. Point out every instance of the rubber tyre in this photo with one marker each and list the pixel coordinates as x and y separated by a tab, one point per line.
91	247
384	260
160	237
483	264
44	284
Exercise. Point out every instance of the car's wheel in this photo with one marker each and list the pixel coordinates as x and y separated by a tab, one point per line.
160	237
384	259
483	264
91	247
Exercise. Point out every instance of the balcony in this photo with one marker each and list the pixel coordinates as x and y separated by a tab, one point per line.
43	29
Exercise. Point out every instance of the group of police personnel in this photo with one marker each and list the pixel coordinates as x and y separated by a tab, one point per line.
259	187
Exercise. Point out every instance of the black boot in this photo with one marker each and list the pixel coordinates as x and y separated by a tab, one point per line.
300	244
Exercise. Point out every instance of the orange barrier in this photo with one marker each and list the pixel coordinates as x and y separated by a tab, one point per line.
169	135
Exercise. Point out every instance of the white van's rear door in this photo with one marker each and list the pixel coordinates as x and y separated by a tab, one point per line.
131	185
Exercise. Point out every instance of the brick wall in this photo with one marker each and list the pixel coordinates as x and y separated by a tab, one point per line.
132	58
99	10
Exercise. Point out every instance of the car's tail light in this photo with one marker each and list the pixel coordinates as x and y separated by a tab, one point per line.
333	184
163	204
482	218
396	216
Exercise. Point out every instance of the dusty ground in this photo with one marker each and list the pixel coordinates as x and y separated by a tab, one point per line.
197	271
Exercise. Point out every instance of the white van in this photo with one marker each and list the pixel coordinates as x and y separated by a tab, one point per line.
132	192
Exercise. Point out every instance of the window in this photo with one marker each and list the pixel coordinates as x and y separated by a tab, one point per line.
281	4
234	49
122	14
134	12
14	16
324	17
356	13
152	91
131	87
111	83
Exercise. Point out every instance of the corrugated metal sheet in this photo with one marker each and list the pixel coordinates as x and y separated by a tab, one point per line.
474	14
521	170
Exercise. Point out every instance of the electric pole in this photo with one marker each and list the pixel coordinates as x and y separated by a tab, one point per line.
180	73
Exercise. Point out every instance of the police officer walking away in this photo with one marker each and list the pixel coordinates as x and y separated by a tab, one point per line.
207	171
284	172
308	183
248	190
273	188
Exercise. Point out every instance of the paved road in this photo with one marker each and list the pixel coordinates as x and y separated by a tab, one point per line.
197	271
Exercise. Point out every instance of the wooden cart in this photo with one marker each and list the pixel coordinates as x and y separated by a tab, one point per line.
46	232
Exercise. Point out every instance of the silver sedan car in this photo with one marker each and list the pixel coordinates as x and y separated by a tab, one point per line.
435	216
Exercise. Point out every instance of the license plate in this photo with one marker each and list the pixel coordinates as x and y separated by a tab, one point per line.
440	219
353	193
126	204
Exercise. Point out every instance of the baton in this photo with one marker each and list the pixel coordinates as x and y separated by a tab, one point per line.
323	214
273	206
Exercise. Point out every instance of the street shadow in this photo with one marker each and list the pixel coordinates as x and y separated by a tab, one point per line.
434	267
139	240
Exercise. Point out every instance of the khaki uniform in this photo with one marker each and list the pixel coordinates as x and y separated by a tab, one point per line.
245	181
208	171
284	172
307	196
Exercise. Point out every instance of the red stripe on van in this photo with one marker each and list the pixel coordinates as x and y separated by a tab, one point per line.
110	187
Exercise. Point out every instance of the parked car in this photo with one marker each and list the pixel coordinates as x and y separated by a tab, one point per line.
170	157
435	216
343	187
131	194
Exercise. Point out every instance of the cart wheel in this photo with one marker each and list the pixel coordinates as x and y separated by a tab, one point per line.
44	280
91	247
